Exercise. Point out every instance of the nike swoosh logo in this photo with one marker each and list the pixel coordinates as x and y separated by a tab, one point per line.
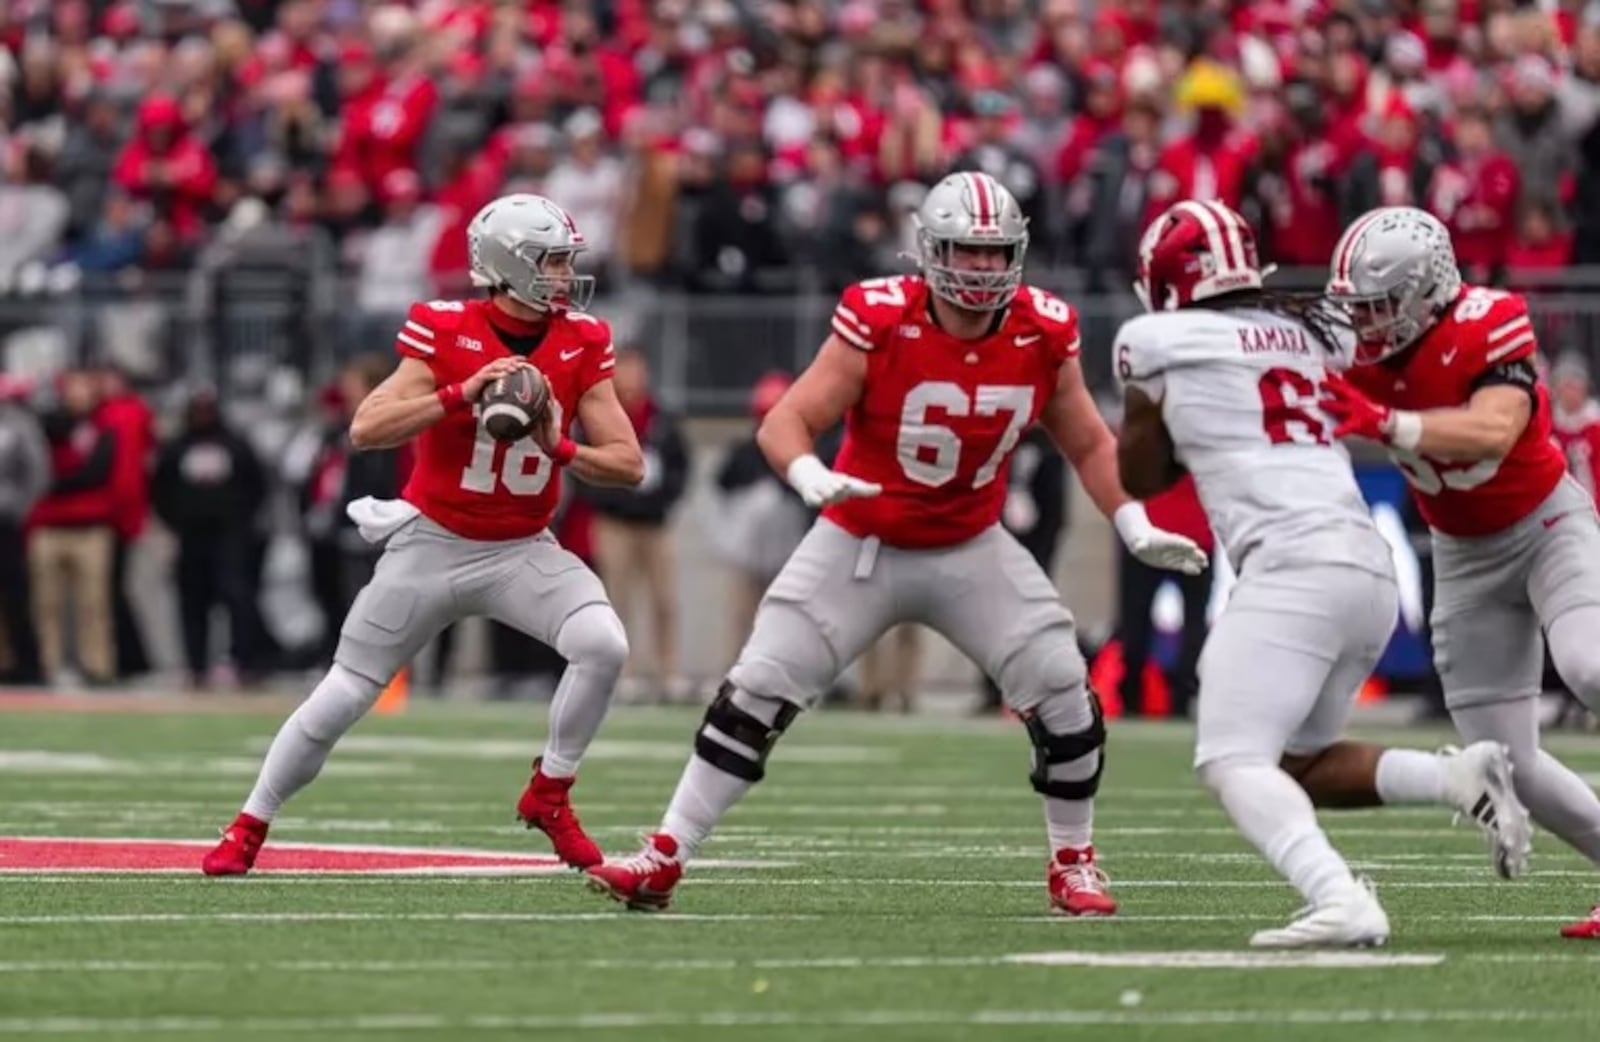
567	356
1024	341
1551	522
1449	356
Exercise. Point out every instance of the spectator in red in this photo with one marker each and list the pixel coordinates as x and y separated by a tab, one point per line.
1540	246
385	119
166	165
1212	160
1475	195
1575	419
132	424
1395	170
1298	182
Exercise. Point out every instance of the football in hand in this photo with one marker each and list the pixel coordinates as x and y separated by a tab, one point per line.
514	403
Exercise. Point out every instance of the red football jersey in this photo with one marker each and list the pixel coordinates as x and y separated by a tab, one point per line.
939	416
465	480
1578	435
1485	328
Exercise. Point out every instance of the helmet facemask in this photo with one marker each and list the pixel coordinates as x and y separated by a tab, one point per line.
972	289
1384	325
562	289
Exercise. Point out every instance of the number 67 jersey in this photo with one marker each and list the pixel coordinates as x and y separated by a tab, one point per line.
939	416
1239	394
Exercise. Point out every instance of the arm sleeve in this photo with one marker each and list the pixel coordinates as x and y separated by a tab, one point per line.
1141	363
856	320
419	336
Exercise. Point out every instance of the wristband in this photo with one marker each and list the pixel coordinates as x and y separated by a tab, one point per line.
452	398
1405	431
565	452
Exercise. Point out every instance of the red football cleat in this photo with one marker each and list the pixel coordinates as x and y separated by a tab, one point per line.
1585	929
1077	886
241	842
547	806
643	882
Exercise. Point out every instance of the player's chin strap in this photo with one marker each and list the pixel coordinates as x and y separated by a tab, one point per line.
1050	750
736	740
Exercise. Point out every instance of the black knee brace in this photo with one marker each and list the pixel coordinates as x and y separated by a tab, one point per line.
1050	749
732	722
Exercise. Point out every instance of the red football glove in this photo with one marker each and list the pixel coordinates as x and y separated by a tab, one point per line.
1356	413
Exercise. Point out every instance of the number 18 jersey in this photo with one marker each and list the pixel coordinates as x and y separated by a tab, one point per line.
1239	394
940	416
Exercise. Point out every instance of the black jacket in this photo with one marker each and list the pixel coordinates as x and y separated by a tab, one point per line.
208	483
666	474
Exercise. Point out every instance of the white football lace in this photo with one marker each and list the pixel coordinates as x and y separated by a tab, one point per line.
1087	876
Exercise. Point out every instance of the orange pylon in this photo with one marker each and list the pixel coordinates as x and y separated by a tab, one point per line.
392	699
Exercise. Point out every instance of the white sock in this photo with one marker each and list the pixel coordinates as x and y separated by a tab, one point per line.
595	647
704	796
304	741
1069	823
1275	815
293	761
1410	776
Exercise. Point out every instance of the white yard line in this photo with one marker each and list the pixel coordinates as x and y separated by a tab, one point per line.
991	1019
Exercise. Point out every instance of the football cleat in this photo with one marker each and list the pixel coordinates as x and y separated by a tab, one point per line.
1478	783
546	805
1077	886
1584	929
643	882
1354	920
236	854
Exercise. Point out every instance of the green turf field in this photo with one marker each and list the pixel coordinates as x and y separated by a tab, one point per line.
888	883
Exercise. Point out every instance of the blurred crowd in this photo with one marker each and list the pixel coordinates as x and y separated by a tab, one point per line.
748	145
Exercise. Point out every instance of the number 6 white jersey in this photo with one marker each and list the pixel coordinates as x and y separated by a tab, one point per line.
465	480
940	417
1239	394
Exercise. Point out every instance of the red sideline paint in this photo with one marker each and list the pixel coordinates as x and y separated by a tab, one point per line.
46	854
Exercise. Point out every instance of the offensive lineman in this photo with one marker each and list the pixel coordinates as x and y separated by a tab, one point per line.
937	376
470	536
1445	376
1221	378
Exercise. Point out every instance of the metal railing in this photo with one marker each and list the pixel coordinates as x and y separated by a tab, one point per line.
236	328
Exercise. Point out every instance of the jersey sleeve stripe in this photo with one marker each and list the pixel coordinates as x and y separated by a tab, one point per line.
411	341
419	329
843	316
1074	346
851	335
1505	350
1513	326
610	363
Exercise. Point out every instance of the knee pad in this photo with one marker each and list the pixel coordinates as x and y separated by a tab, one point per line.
1048	664
593	636
336	704
1050	750
733	738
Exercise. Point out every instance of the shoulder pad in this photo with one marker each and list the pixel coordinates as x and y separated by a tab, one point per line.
426	326
869	309
589	329
1053	317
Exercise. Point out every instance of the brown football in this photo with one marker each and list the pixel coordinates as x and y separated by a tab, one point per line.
514	403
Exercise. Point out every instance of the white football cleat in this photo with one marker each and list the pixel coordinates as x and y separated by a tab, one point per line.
1354	920
1478	784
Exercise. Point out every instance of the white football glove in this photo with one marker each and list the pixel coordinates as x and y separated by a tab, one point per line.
819	486
1157	547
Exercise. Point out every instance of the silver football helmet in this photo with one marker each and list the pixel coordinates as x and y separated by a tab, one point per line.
525	245
1395	273
971	209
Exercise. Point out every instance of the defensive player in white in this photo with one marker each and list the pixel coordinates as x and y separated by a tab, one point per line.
936	377
1221	378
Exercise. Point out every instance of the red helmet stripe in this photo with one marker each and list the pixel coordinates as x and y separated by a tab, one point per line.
1347	252
1233	232
982	199
1216	241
